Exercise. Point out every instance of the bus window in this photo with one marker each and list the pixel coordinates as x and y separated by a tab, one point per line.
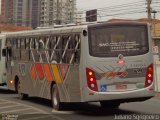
18	43
14	43
24	51
77	50
58	50
111	41
27	46
22	44
42	49
9	50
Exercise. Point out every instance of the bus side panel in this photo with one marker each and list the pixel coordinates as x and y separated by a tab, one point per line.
83	61
72	85
12	71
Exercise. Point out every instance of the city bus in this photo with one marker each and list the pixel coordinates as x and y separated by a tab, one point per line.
110	63
3	76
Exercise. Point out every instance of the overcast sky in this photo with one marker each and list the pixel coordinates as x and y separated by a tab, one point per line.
84	5
140	5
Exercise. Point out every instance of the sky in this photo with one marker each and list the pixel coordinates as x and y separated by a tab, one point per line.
135	8
139	6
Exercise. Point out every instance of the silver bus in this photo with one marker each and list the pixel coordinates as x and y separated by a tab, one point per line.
110	63
3	76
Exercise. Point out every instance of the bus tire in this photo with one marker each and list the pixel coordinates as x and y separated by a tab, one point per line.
21	95
106	104
57	105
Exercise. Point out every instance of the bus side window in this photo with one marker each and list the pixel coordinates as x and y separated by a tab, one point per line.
18	43
77	50
18	51
43	48
65	43
72	53
24	52
9	50
58	51
27	47
53	53
22	43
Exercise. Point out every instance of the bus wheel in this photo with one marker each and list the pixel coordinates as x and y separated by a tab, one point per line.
57	105
21	95
106	104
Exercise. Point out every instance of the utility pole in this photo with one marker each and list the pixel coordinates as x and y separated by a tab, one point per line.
149	9
154	22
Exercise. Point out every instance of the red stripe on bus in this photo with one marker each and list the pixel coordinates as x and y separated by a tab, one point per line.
39	70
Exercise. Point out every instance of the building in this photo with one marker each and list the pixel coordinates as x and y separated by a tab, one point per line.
57	12
156	29
12	28
2	8
79	17
38	12
22	12
34	13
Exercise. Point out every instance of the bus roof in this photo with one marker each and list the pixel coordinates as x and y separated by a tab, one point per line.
64	29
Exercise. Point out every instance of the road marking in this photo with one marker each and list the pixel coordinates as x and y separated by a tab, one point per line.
11	111
37	118
28	106
9	106
4	102
63	112
21	111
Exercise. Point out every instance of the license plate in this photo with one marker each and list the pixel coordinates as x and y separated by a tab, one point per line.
121	86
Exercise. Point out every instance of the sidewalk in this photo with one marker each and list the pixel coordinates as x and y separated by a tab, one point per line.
157	95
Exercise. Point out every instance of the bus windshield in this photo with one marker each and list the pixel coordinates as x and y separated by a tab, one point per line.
112	40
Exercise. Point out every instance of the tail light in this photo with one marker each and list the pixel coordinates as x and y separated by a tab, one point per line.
149	76
91	79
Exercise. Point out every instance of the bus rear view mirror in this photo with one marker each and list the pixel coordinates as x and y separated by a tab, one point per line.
4	52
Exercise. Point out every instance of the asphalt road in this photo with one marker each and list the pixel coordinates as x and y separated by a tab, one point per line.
40	109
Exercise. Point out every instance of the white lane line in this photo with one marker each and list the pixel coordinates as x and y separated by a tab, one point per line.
41	111
11	111
37	118
9	106
31	113
32	108
63	112
4	103
3	100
